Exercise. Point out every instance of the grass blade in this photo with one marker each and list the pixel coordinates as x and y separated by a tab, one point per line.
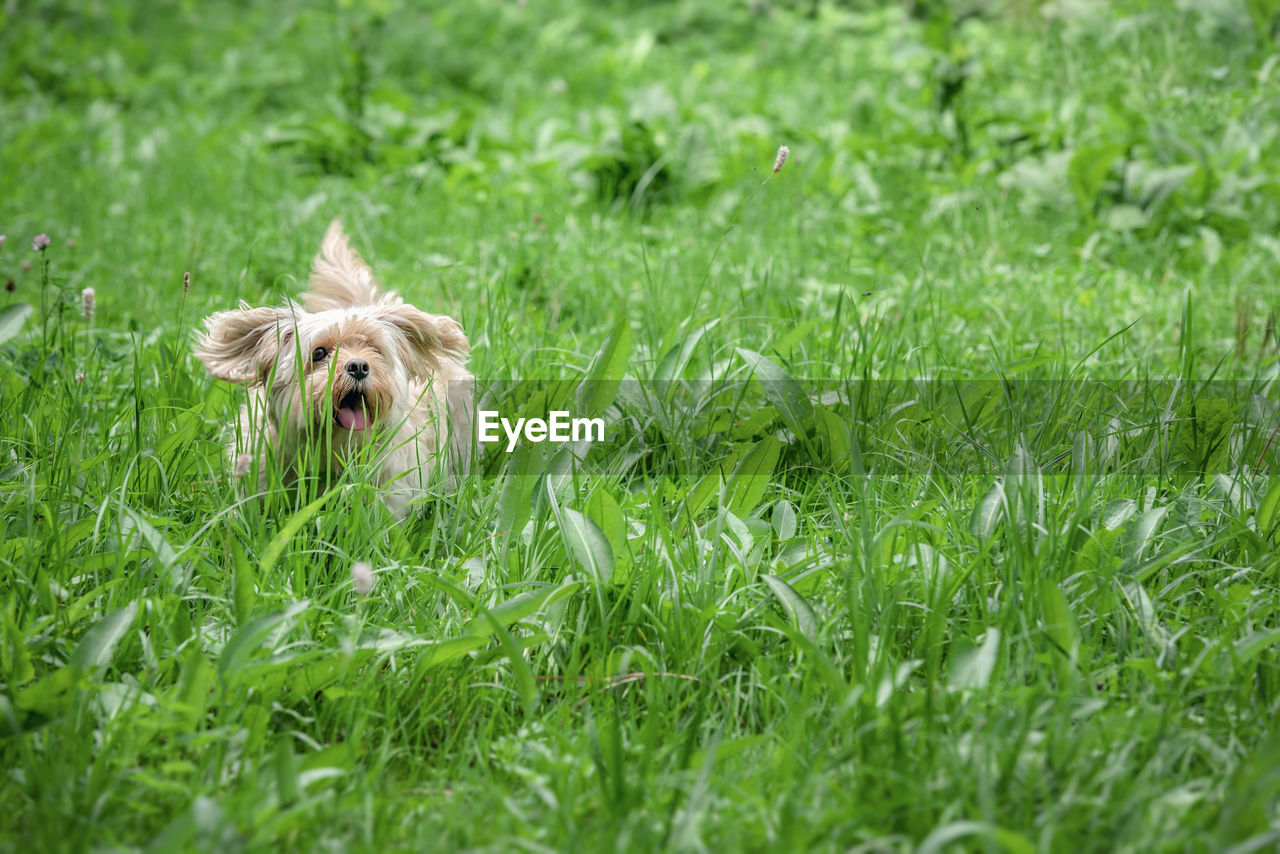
275	548
99	643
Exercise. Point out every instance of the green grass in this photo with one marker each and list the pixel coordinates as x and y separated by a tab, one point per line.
984	560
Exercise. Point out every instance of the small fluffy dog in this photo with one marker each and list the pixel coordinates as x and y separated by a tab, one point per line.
352	367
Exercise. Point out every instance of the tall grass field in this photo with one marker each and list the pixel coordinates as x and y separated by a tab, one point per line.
937	507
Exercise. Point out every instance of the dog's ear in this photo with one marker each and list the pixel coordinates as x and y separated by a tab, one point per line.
339	276
243	345
425	338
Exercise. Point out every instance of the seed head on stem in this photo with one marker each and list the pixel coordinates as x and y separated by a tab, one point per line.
781	159
362	578
778	162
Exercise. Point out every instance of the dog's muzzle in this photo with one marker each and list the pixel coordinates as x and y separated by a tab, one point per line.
352	412
358	370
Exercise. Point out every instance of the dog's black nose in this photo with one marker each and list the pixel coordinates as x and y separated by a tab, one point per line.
358	369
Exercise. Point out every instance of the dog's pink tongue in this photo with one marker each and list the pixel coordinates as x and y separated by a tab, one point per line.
353	419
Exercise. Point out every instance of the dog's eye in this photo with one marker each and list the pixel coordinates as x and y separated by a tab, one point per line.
318	354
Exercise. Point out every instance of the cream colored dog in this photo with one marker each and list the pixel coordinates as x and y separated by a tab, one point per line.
352	368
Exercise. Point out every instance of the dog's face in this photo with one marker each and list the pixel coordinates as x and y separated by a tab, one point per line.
338	372
342	371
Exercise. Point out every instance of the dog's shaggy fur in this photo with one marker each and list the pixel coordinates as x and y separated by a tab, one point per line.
352	367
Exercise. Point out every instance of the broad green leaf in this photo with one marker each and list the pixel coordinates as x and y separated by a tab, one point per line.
340	755
1155	184
1201	430
132	522
587	543
972	666
1060	626
286	773
794	604
727	749
1125	218
1117	512
185	428
784	520
1211	243
700	495
325	671
247	638
1144	610
947	838
11	319
784	345
204	818
738	534
1267	509
602	509
9	723
20	668
1024	491
1144	531
1233	489
448	650
1249	647
526	685
751	478
515	502
195	681
673	364
747	425
1098	553
1083	455
1088	169
986	513
1021	464
836	438
782	391
99	643
600	387
518	607
1140	572
561	472
702	492
482	627
244	583
47	695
